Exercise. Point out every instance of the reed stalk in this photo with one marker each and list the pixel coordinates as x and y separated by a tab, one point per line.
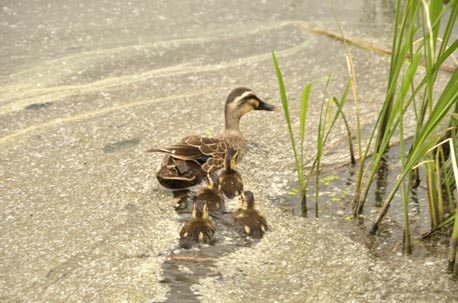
298	157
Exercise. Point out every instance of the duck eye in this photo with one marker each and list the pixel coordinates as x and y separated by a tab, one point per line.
242	101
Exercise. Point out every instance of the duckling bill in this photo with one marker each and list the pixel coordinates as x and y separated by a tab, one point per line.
200	229
187	162
247	219
230	180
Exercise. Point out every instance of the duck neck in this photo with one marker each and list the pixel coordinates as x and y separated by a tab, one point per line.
232	122
232	134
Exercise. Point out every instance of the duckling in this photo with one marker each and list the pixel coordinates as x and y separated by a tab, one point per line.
200	229
230	181
187	162
212	196
247	219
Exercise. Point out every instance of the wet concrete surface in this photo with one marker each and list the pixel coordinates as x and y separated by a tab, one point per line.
86	87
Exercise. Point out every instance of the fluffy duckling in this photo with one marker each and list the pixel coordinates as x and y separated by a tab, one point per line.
200	229
187	162
212	196
247	219
230	181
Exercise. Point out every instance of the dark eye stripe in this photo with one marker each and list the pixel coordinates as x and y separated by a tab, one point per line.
246	99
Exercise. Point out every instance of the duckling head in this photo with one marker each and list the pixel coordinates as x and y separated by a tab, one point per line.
241	101
230	162
200	210
247	198
212	181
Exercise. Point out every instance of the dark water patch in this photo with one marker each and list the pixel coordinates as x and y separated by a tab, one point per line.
335	206
38	106
117	146
183	201
185	267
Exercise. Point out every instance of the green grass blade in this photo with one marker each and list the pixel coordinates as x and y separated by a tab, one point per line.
347	125
284	101
303	117
449	27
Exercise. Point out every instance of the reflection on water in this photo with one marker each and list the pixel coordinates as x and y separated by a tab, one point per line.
114	147
381	181
336	188
185	267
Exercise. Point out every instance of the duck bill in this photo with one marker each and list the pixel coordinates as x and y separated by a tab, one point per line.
266	106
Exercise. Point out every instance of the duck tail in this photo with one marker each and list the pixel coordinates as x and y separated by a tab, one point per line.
157	150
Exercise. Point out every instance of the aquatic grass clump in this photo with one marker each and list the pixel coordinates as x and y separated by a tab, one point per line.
326	123
437	209
420	49
428	114
298	157
416	39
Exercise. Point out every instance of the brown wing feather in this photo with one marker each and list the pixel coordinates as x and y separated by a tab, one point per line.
180	163
212	165
180	151
194	148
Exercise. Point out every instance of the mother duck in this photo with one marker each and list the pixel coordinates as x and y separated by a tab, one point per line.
189	161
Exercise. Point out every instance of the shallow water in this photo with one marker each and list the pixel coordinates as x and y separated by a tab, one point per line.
86	87
335	207
184	268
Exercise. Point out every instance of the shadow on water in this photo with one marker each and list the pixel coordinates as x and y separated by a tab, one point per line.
38	106
336	186
184	267
116	146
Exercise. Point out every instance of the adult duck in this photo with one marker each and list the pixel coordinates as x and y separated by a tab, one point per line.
189	161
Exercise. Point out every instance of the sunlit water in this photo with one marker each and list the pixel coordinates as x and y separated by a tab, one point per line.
86	87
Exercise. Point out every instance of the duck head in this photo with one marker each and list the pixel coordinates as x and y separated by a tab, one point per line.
200	210
241	101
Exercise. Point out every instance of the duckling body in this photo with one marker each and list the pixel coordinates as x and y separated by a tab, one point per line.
188	161
212	196
200	229
248	220
230	180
